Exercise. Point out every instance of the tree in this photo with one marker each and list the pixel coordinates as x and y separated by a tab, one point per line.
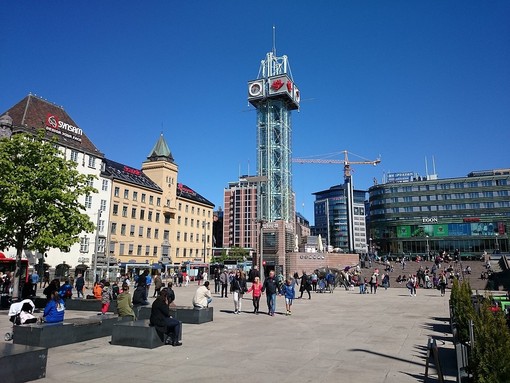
39	197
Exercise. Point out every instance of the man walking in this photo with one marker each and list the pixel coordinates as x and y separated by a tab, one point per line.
224	282
270	287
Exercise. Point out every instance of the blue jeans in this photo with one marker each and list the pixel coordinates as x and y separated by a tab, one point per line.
271	302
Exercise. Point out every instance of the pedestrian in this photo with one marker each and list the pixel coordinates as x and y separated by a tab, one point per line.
373	283
270	287
289	293
54	310
315	279
256	289
79	284
217	283
411	285
205	276
442	284
35	280
170	293
305	286
124	304
254	272
106	298
238	288
158	284
224	282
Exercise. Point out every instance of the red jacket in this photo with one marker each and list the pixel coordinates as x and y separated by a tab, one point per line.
256	288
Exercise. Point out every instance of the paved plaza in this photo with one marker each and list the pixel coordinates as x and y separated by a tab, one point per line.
342	336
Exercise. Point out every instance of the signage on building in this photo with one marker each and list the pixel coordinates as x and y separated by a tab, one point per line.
270	225
129	170
429	220
400	177
471	219
54	125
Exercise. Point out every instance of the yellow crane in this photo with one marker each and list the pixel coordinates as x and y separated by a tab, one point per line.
349	188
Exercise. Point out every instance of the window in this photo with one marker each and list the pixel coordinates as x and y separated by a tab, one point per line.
123	229
143	197
185	237
178	220
193	210
90	182
115	209
88	201
180	206
149	216
112	247
178	235
132	230
167	219
155	251
186	208
92	162
139	250
166	235
157	217
158	201
121	249
113	228
142	214
133	212
185	221
130	247
149	232
192	222
116	191
124	211
100	226
151	200
191	237
84	245
156	233
135	196
74	155
126	193
104	186
177	253
198	210
140	231
147	250
103	205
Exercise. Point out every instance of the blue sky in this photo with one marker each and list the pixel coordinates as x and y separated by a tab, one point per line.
406	80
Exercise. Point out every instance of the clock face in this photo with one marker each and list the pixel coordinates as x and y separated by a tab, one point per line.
255	89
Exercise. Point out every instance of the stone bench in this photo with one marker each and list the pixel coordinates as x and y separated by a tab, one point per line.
70	331
186	314
137	334
20	363
79	304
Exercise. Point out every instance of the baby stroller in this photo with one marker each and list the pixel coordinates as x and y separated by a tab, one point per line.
20	313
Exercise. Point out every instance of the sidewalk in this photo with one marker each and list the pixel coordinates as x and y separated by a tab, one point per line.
342	336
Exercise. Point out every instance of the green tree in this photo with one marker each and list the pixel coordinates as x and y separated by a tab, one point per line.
39	193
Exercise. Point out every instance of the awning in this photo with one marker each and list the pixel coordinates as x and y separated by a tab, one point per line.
156	266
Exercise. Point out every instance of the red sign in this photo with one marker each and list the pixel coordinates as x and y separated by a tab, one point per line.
136	172
471	219
52	121
276	85
289	86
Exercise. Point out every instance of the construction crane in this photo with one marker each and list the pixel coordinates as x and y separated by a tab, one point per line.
349	188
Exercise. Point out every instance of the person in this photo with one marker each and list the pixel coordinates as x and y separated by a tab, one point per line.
373	283
305	286
361	282
224	282
238	288
170	293
158	284
140	296
442	284
315	279
34	278
124	304
202	296
186	279
386	281
97	290
289	293
54	310
45	280
106	297
205	276
217	283
52	287
270	287
253	273
148	283
411	285
160	318
66	290
256	289
79	285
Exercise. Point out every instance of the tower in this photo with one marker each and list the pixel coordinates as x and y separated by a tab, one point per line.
275	96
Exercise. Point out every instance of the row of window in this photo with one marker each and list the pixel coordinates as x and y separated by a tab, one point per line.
143	196
141	231
193	237
91	159
198	210
460	206
150	213
442	186
445	197
192	221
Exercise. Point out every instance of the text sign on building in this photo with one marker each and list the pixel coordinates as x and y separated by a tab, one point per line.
54	125
429	220
400	177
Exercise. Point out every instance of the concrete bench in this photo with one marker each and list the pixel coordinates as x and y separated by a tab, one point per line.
70	331
79	304
186	314
22	363
137	334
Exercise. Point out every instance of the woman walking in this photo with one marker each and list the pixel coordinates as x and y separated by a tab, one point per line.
238	288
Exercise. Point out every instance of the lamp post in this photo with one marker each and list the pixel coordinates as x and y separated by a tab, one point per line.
427	249
204	226
261	247
96	246
370	247
497	243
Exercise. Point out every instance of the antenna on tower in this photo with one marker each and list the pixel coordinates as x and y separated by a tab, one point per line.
426	168
274	40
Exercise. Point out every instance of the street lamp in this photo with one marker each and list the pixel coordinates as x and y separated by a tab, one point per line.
497	243
204	226
428	248
370	248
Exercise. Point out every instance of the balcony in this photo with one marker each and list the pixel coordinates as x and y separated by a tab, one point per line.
169	211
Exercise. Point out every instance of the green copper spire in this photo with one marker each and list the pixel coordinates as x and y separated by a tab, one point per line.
160	151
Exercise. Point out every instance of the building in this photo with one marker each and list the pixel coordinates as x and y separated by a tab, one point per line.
274	95
33	114
240	214
331	218
303	231
416	215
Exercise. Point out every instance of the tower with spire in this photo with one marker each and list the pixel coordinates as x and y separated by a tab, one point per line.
275	95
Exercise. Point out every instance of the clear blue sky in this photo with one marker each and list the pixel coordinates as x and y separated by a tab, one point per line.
401	79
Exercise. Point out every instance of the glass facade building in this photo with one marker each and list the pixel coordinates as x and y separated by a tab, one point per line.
418	215
330	214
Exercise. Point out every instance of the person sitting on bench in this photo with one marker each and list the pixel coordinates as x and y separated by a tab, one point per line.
163	322
54	310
